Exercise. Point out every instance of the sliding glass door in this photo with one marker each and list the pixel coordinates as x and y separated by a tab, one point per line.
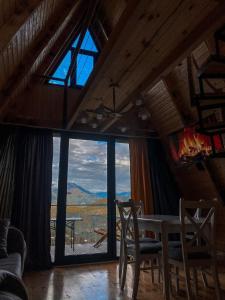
84	225
88	175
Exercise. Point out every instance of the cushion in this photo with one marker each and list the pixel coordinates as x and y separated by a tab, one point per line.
12	264
146	248
4	226
144	240
12	286
176	254
8	296
174	243
148	240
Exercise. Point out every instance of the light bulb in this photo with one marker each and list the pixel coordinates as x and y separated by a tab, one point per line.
94	125
83	120
99	116
123	129
144	116
139	102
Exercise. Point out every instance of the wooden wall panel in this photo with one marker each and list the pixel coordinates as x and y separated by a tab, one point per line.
41	106
164	114
7	9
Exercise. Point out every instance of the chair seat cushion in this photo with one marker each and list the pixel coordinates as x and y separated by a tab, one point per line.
12	264
146	248
174	243
176	254
147	240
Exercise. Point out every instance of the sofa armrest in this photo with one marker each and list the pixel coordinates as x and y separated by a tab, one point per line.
16	243
11	283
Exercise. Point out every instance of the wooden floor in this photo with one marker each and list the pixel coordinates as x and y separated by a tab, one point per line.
98	282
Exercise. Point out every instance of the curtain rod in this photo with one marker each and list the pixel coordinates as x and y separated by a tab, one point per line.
75	131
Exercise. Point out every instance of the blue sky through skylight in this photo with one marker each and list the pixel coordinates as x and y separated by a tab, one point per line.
87	44
85	66
85	63
62	69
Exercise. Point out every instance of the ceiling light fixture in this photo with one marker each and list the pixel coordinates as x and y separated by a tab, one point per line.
93	117
103	111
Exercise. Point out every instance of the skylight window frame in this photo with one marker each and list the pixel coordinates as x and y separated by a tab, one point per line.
73	76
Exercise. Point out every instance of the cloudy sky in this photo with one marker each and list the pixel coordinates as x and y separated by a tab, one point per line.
88	165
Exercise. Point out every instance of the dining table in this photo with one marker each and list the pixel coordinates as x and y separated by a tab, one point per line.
163	225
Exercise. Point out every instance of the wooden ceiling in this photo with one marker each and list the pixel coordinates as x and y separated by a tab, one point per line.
144	45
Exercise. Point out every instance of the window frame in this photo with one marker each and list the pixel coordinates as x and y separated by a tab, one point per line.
70	47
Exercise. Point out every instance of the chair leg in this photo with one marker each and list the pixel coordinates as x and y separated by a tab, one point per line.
152	271
177	279
160	269
121	260
124	271
204	279
136	278
195	279
188	283
216	280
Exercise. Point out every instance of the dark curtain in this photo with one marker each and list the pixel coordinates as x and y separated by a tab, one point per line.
32	196
166	194
7	171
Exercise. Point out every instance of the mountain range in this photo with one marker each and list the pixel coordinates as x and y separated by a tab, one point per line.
76	194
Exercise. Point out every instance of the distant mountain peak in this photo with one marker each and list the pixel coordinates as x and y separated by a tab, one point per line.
73	185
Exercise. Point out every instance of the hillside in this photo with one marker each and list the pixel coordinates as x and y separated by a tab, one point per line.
77	195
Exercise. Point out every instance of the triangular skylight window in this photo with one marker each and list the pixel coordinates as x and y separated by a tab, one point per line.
84	63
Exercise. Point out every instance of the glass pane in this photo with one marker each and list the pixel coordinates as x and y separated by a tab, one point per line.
62	69
86	211
87	44
123	186
55	175
123	189
85	65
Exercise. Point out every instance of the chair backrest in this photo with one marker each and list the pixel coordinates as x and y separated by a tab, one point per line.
203	240
129	212
198	212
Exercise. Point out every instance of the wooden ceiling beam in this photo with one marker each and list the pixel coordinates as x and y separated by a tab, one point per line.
208	25
64	40
54	28
176	98
11	28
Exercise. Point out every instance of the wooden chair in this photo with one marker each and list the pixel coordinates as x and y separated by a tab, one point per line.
198	251
132	247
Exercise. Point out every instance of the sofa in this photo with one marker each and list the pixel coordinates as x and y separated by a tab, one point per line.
12	267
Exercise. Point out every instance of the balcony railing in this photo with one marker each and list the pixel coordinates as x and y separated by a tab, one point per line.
84	223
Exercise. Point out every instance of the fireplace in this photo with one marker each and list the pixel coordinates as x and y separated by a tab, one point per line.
189	145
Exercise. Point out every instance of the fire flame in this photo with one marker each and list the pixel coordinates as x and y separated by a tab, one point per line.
192	144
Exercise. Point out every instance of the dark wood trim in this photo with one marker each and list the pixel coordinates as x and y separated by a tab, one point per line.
111	186
82	133
61	200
